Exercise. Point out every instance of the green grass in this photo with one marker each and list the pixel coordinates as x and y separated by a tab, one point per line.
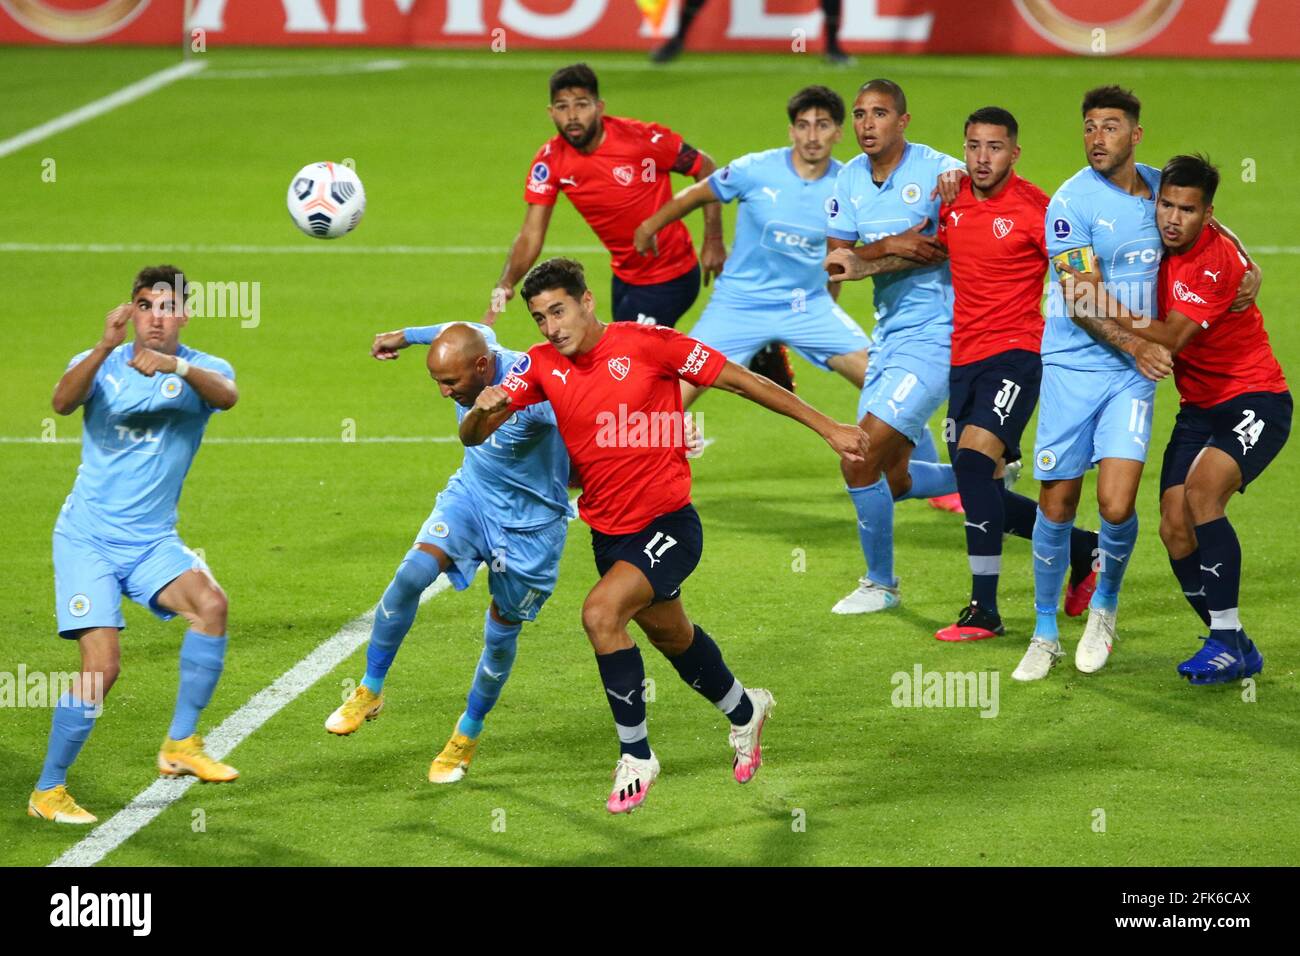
304	537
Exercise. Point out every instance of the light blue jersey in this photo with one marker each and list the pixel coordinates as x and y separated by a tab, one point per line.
780	240
519	476
138	438
1089	210
913	307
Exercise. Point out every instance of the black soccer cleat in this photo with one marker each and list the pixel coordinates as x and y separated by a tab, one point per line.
773	361
974	623
668	52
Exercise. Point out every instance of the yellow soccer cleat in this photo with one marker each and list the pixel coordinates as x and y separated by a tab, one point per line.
57	804
450	765
179	758
363	705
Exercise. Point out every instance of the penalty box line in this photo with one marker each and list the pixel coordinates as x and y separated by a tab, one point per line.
228	735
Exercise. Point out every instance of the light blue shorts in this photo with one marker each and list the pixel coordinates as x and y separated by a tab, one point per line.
1085	415
818	329
904	391
523	565
90	576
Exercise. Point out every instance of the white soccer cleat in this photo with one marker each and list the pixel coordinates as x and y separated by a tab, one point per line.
1011	473
633	779
1039	659
1097	642
868	598
748	740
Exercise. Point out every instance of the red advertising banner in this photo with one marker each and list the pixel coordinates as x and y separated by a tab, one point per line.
1182	28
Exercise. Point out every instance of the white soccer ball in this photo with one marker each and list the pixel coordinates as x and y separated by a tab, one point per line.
326	200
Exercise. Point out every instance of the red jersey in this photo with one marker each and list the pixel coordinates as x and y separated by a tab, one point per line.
1232	355
619	410
998	256
617	188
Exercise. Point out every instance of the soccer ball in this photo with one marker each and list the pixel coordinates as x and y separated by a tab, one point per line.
326	200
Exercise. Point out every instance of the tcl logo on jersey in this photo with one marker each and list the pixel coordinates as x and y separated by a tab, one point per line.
1137	257
1183	294
883	228
619	367
1002	227
624	175
143	437
793	240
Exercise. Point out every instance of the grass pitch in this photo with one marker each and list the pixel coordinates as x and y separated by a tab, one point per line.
1128	766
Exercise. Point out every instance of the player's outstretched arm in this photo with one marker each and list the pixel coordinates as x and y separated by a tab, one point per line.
75	385
849	441
523	253
213	387
491	409
685	202
387	344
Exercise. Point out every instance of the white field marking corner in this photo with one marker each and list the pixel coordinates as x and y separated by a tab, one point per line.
231	732
99	107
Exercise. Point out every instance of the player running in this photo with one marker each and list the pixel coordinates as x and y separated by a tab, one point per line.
774	288
1098	380
615	171
1234	415
616	398
146	405
507	507
887	198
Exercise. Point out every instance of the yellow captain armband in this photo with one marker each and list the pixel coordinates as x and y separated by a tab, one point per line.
1082	260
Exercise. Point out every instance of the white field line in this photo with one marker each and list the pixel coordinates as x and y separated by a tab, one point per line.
232	731
99	107
263	440
307	247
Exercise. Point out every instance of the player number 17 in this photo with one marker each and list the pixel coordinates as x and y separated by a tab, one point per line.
1137	419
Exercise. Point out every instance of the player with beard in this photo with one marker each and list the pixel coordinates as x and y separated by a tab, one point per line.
1235	409
616	172
1098	385
645	534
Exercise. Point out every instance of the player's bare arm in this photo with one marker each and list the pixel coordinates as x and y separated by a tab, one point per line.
681	205
523	253
842	265
713	253
1097	314
388	344
849	441
491	409
75	385
1248	291
213	387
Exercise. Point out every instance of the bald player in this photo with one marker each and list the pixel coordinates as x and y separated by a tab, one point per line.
507	506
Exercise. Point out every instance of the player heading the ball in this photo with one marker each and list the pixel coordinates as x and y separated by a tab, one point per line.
636	497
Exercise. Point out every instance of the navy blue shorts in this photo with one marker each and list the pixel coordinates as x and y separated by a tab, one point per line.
666	550
1252	428
660	304
997	393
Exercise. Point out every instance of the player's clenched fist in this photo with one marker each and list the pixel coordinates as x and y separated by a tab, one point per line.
147	362
388	344
1153	360
115	326
644	241
492	399
849	441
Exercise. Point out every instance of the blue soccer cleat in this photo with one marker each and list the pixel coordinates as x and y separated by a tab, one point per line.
1217	663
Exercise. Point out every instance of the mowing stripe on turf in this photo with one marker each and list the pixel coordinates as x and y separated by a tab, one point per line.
232	731
99	107
305	247
356	250
263	440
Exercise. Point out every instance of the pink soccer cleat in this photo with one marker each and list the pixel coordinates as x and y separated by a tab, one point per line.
633	778
950	503
747	740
